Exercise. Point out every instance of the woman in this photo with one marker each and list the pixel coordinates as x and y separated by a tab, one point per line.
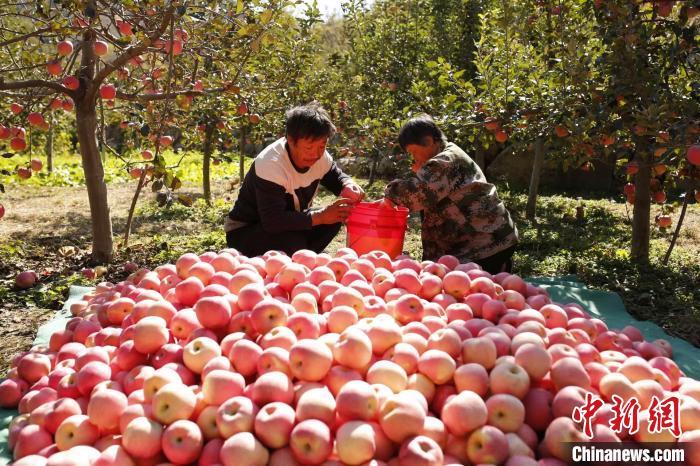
461	212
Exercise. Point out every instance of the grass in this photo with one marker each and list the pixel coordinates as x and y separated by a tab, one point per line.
68	171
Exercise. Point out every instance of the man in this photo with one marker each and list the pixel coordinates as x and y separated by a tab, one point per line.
461	212
273	210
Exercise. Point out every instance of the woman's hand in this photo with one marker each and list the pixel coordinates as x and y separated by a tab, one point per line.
385	203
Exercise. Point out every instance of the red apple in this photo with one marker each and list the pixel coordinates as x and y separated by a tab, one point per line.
101	48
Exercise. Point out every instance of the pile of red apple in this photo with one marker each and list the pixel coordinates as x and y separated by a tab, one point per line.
221	359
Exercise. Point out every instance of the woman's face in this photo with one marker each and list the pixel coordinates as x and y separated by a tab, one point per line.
421	153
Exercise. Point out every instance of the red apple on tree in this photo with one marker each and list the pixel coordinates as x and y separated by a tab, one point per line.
65	47
36	165
35	118
663	221
101	48
16	108
71	82
54	68
561	131
693	154
125	28
108	91
18	144
24	173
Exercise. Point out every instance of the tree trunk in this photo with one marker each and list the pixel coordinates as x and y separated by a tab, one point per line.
373	169
102	242
642	212
537	163
480	157
206	162
49	148
612	161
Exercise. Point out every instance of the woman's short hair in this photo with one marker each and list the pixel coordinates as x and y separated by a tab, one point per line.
308	121
417	128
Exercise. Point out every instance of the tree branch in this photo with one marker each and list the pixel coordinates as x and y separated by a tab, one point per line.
167	96
132	52
35	83
26	36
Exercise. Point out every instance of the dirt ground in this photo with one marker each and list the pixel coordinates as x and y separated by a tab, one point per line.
50	218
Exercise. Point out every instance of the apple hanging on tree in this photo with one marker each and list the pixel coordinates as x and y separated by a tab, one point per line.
65	47
35	119
24	173
693	154
71	82
2	211
108	91
663	221
18	144
101	48
54	68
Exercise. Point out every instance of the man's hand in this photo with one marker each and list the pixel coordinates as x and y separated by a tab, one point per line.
352	192
336	212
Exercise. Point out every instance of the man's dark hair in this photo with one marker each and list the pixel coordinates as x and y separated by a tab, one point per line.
416	129
309	121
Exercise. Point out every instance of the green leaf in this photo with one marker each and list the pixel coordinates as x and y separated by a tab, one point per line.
265	16
240	6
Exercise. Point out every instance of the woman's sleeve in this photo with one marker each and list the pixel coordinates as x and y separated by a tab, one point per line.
426	189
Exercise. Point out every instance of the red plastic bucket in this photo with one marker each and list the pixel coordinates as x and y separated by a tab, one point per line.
372	227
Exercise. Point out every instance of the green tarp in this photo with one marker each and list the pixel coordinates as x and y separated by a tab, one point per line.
604	305
42	338
609	308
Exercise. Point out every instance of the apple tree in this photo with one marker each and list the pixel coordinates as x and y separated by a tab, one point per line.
649	102
89	55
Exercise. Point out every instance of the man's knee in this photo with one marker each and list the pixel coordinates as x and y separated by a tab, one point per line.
322	235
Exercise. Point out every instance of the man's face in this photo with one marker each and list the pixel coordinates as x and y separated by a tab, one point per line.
307	151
